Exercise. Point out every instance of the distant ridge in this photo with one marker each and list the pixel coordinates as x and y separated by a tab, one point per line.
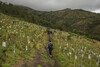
77	20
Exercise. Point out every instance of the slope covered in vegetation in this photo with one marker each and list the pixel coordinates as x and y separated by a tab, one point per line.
77	20
26	46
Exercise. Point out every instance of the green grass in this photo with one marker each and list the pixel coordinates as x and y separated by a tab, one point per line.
19	33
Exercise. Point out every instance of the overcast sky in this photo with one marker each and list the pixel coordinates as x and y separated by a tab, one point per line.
45	5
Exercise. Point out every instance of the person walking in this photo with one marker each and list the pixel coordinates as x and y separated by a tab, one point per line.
50	48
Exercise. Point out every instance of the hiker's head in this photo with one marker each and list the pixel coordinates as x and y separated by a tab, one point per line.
50	42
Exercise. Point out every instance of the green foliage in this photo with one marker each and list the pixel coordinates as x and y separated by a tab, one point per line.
18	34
82	22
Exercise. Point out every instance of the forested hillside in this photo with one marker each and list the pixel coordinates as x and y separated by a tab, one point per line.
23	44
23	37
77	20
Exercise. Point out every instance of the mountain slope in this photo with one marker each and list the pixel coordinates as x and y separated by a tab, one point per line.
77	20
26	46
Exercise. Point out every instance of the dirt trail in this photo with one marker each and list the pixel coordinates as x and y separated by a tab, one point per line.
38	62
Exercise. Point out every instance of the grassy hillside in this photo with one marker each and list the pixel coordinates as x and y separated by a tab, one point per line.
26	46
78	21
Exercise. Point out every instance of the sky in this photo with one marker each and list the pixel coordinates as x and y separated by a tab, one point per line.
52	5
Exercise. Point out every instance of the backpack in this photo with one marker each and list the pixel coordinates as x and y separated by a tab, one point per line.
50	46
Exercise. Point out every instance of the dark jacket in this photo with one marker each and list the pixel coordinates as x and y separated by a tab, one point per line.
50	46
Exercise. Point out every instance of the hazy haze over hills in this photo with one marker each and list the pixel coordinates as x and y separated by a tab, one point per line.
51	5
81	21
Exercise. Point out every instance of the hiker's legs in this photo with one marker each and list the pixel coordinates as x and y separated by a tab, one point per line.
50	52
49	37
